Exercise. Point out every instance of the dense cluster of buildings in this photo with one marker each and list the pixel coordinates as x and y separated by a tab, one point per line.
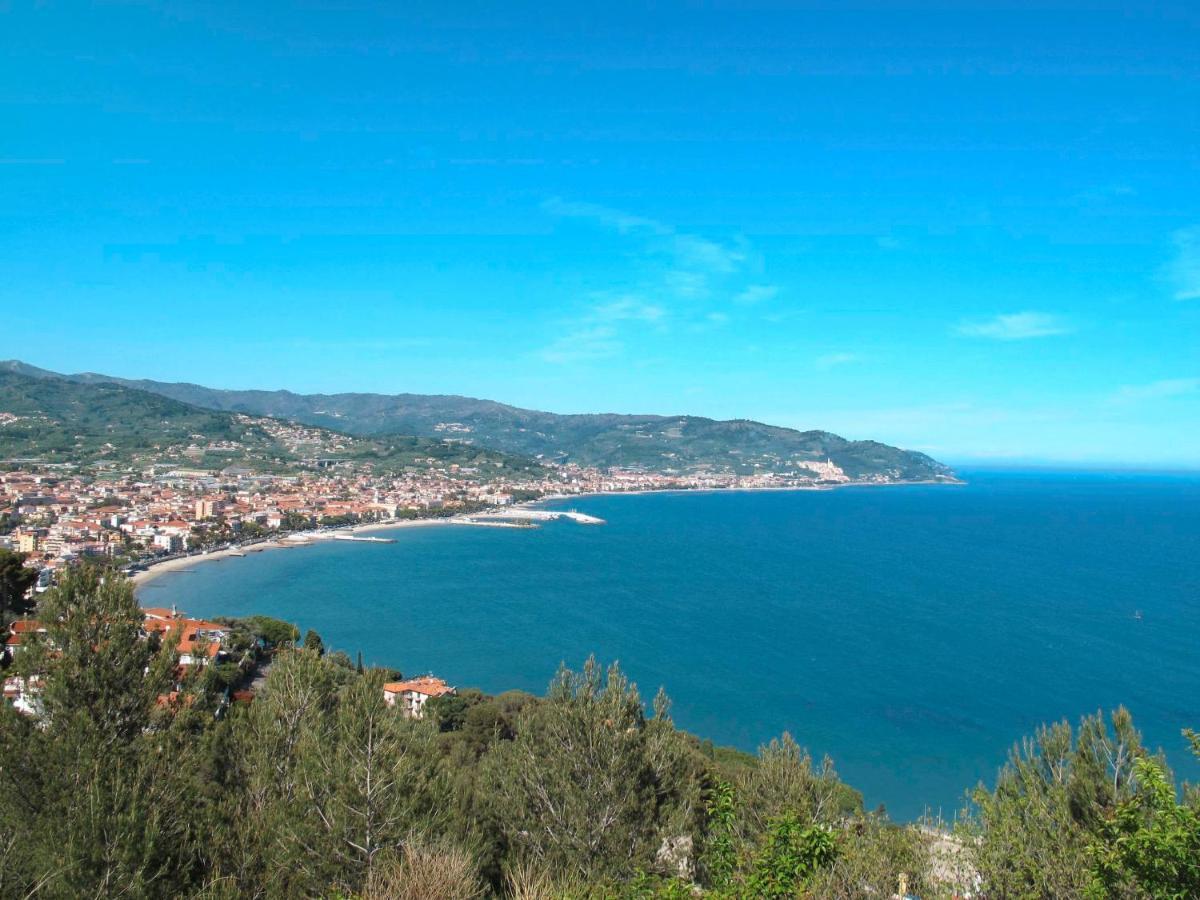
578	480
57	515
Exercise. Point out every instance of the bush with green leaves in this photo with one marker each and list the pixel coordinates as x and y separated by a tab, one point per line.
792	853
1150	844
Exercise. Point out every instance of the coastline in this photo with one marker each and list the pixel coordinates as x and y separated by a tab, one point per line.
388	640
957	482
156	569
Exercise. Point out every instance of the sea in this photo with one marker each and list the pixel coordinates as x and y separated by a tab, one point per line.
912	633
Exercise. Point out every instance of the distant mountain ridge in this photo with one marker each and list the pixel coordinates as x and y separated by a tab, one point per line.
659	443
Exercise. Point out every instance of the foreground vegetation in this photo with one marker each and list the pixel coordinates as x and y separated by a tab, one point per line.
318	788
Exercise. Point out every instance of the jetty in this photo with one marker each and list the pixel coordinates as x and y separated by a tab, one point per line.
346	536
492	523
525	518
309	537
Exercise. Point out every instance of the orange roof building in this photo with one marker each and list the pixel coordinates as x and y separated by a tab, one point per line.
19	631
413	694
199	641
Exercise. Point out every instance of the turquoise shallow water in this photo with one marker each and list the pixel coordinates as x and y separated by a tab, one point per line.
912	633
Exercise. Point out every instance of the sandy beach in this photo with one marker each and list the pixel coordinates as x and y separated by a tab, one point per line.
290	542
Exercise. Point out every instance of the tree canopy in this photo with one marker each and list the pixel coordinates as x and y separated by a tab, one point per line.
16	579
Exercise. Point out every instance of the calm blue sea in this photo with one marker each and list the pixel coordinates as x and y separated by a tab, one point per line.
912	633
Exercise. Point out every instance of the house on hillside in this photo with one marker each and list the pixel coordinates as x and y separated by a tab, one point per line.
412	695
199	641
23	694
18	634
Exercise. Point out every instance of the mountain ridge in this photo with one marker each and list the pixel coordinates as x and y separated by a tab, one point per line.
650	441
57	420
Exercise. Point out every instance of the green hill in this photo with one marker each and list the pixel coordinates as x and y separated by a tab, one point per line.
56	420
658	443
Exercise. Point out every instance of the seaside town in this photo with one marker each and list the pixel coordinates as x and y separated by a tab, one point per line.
55	515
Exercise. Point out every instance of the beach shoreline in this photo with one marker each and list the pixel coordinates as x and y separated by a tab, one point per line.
155	569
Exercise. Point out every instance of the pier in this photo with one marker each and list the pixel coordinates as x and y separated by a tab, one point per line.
526	517
491	523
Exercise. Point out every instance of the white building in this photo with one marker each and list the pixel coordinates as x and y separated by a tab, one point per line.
412	695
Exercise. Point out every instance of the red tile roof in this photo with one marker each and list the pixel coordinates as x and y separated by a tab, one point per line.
427	685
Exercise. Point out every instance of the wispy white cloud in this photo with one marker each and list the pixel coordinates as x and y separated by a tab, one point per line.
595	334
623	222
1016	326
1156	390
683	280
1184	270
583	345
685	285
691	254
708	256
832	360
625	308
757	293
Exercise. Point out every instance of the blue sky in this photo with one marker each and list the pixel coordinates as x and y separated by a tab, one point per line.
972	229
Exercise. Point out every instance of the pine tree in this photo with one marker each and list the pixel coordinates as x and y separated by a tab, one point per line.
313	642
1030	836
16	579
368	784
579	789
268	754
92	807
